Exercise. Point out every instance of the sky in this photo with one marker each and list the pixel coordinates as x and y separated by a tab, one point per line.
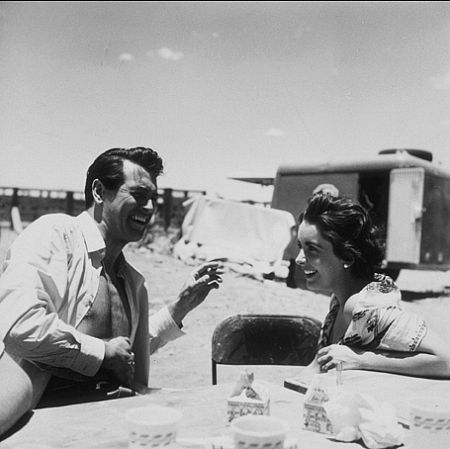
219	89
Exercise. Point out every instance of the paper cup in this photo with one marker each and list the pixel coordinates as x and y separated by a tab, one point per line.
152	426
429	424
258	432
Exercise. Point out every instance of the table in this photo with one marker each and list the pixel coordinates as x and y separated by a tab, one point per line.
396	389
101	424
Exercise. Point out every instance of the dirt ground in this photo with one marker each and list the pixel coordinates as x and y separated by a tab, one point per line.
186	362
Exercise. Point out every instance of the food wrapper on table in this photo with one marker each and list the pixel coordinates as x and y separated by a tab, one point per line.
360	416
248	397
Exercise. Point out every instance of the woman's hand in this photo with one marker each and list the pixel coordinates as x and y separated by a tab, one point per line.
330	356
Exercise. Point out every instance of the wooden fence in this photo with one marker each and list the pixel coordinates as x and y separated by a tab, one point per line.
32	203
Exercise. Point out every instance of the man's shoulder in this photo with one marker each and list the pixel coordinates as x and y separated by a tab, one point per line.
53	222
55	218
46	236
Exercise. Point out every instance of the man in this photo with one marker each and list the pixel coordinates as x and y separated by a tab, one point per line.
70	304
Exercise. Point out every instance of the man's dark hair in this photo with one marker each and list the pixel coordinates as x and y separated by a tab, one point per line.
348	227
108	168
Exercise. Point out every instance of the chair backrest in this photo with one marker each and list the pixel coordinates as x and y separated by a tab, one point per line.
248	339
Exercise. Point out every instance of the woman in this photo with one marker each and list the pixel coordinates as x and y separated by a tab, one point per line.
22	386
365	327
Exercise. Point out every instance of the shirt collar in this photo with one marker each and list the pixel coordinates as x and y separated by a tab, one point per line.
91	233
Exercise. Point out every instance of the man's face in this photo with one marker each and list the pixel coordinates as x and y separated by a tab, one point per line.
128	210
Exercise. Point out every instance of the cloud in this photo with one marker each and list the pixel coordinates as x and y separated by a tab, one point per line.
441	82
126	57
274	132
170	55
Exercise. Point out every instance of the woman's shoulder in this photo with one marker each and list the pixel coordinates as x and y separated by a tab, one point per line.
380	293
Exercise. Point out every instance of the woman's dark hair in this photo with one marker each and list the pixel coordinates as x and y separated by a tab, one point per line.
348	227
108	168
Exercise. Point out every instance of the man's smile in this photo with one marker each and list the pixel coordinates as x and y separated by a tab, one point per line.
139	221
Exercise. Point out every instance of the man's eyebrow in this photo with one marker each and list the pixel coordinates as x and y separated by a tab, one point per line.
144	189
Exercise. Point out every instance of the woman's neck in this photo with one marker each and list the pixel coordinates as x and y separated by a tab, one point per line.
349	287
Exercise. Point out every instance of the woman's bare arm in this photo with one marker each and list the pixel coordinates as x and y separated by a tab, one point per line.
431	359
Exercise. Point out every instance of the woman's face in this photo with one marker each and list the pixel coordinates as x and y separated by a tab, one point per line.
322	268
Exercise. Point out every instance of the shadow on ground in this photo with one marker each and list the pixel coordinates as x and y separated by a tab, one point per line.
409	295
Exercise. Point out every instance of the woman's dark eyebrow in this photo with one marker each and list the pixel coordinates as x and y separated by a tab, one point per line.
309	244
314	245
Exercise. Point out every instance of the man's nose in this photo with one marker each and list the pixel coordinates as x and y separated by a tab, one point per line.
300	259
149	206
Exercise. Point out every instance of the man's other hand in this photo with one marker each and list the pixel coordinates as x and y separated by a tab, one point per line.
197	287
119	359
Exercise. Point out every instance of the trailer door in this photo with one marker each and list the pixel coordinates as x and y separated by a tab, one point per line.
404	227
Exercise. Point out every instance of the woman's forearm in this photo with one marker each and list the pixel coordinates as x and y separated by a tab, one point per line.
415	364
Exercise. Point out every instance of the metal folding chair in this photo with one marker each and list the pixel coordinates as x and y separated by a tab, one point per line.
246	339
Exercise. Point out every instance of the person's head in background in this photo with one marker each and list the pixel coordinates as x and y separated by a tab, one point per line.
326	189
339	249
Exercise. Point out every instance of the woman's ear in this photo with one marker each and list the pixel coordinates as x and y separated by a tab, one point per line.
98	191
348	262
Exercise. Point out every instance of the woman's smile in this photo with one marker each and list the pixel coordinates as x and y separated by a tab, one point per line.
323	270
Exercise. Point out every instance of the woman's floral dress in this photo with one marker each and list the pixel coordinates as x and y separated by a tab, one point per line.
378	321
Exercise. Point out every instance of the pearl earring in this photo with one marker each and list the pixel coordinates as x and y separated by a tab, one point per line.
346	265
